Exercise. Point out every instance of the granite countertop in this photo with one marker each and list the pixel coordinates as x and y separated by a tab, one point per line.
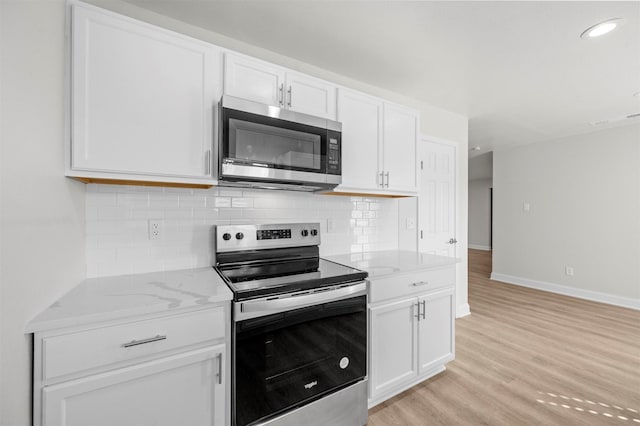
383	263
110	298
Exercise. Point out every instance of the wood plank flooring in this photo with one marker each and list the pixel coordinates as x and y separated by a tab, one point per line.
527	357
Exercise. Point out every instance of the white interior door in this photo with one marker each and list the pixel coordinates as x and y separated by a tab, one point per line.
436	205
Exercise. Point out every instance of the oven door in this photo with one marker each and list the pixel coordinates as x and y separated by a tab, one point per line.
287	359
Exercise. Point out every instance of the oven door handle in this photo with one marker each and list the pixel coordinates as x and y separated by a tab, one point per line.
261	307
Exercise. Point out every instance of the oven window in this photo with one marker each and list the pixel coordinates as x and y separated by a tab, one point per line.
291	358
259	143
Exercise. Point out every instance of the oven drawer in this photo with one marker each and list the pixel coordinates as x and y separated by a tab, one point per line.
85	350
400	285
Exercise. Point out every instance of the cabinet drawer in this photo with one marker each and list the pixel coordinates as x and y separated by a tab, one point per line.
409	284
84	350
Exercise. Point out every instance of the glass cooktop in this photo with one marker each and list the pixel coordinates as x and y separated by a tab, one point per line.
257	279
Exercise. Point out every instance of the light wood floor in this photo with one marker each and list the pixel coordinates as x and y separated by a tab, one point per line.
527	357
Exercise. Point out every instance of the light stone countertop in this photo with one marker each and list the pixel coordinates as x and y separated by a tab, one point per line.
124	296
380	264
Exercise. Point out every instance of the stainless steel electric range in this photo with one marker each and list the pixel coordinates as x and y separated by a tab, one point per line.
299	341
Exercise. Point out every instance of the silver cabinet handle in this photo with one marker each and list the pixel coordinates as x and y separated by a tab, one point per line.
452	241
387	175
417	305
420	283
382	179
424	309
143	341
219	373
281	94
207	162
290	96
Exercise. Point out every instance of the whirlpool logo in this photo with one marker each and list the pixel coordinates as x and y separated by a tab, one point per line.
311	384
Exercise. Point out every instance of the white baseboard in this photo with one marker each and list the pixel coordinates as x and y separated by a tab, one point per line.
479	247
595	296
463	310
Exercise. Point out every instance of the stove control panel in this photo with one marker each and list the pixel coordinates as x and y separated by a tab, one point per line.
255	237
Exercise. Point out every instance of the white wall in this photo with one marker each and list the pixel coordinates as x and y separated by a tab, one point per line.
480	214
42	218
584	196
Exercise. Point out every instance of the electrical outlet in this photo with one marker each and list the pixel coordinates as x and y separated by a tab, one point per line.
330	226
568	270
526	207
411	223
155	229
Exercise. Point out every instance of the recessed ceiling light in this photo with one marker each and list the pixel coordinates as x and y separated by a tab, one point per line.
602	28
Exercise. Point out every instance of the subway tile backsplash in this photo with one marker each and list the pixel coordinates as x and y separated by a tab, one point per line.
118	218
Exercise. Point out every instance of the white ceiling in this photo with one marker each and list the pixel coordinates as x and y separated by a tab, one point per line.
518	70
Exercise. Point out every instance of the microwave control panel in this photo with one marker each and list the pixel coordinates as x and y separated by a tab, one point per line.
333	160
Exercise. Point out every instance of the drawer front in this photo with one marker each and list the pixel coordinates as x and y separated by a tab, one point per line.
84	350
410	284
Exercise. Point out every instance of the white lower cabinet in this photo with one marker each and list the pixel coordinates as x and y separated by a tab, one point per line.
180	390
393	346
411	332
169	370
435	331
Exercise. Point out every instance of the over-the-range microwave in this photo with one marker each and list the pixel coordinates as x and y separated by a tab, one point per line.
263	146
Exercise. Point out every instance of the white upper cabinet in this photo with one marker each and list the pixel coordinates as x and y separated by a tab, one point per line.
254	80
361	118
260	81
400	148
310	95
142	101
379	141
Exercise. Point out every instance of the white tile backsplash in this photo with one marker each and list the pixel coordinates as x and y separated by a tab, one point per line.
117	219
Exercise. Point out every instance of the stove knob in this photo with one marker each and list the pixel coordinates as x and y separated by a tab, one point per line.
314	232
239	236
304	232
226	236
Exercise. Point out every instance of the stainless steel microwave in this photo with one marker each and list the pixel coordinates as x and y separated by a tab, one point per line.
264	146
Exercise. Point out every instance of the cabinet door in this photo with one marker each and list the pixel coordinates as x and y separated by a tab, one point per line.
399	149
183	389
393	358
361	118
254	80
436	330
142	97
310	95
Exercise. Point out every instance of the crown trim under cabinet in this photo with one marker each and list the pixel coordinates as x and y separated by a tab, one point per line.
142	101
